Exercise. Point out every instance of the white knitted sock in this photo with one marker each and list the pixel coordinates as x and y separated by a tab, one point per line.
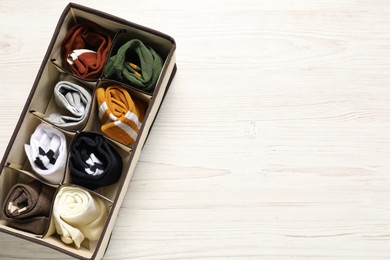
47	153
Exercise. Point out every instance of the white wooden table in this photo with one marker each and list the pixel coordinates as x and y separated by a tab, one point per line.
273	141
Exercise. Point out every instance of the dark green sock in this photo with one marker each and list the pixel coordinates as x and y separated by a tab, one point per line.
143	76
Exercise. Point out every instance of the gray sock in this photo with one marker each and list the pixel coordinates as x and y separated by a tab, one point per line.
75	101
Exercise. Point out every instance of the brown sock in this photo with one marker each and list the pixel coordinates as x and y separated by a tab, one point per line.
27	207
85	49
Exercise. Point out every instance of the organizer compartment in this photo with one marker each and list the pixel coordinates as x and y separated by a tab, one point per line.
140	99
8	179
133	60
87	247
48	105
71	20
108	191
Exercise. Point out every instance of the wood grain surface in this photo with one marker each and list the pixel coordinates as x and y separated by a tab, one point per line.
272	143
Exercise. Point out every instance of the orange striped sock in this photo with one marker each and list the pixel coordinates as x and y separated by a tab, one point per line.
120	116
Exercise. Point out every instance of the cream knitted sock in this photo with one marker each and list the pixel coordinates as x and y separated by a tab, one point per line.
78	215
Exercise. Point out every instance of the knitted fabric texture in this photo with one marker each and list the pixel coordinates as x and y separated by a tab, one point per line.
93	162
78	215
85	49
27	207
75	102
47	153
120	116
141	71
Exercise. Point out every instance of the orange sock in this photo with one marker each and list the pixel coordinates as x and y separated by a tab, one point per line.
120	116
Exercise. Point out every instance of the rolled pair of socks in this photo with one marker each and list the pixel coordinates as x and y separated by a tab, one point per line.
85	49
47	153
78	215
137	64
120	115
93	161
74	103
27	207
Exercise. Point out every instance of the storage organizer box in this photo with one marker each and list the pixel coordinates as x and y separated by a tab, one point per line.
15	167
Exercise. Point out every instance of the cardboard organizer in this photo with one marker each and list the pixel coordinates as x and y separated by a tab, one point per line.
15	167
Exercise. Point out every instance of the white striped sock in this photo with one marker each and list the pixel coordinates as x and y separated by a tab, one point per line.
133	117
130	131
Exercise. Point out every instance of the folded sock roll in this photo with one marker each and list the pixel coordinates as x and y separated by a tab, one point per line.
93	162
75	101
85	49
47	153
78	215
143	76
27	207
120	116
